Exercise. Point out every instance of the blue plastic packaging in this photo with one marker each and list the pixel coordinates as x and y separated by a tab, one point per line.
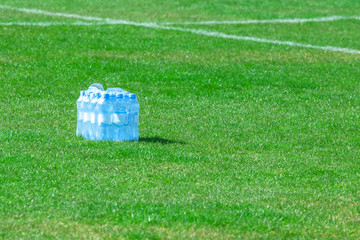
93	119
120	118
107	115
86	114
105	110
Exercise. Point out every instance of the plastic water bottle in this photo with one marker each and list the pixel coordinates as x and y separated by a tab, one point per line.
86	103
93	122
127	129
104	108
134	117
111	115
120	119
112	102
80	114
98	112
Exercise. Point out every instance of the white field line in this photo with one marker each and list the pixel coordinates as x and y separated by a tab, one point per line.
47	24
76	16
256	21
263	40
37	11
107	21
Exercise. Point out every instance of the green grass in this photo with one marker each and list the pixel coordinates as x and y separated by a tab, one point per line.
237	139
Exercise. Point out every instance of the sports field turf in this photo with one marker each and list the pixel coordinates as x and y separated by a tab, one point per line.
238	138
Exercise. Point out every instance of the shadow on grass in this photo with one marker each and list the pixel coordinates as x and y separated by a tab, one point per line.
159	140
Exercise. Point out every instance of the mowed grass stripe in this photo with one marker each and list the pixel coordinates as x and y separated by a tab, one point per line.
238	139
195	31
198	10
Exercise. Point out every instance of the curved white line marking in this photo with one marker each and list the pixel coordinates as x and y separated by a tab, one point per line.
37	11
103	21
47	24
76	16
256	21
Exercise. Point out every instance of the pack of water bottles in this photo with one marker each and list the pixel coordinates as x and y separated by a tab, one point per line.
107	115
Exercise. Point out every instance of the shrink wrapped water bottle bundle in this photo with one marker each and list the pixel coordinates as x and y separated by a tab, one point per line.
107	115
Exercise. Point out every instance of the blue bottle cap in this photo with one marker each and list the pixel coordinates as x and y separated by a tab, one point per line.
126	96
82	93
119	95
106	95
132	96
